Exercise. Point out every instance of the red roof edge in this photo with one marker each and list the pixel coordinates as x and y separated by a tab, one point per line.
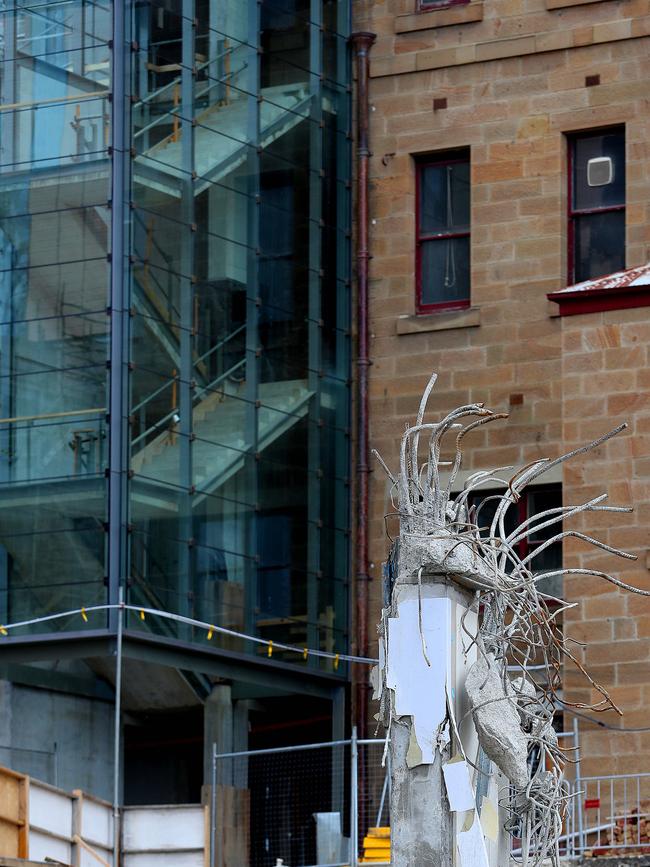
598	300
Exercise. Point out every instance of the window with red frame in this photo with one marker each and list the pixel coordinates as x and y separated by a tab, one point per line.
596	204
532	502
443	233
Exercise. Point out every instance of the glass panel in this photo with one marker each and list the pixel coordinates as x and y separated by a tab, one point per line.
599	244
51	550
47	134
78	29
444	198
444	271
51	445
55	242
285	38
585	148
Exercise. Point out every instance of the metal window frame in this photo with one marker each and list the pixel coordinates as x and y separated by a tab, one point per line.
448	158
574	213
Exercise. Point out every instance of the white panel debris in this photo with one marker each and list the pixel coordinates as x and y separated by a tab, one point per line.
376	672
419	687
471	844
458	784
489	819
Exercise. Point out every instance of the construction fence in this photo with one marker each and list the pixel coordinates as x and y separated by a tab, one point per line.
327	805
44	824
301	806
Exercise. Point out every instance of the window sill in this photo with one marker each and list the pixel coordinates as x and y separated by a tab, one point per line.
443	16
446	321
564	4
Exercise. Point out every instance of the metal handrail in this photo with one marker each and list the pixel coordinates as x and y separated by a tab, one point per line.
172	83
176	81
163	253
299	748
67	414
201	358
211	385
175	112
56	100
221	343
154	394
168	261
582	779
170	415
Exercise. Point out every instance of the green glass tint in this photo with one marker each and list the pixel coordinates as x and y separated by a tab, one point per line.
188	291
55	244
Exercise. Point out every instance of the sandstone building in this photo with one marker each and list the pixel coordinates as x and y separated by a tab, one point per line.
510	160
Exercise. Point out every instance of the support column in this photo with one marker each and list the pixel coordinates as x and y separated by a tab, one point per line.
314	335
242	709
425	669
187	281
218	727
119	311
253	301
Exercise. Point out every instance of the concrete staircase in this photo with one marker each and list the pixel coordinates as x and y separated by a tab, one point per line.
219	147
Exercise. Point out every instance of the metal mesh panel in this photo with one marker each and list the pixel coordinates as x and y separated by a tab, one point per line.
290	804
374	794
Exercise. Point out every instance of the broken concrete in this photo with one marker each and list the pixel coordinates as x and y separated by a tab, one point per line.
497	721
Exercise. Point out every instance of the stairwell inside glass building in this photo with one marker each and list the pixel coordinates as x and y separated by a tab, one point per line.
235	312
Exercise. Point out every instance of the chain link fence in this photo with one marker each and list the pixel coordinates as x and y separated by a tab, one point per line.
301	806
298	806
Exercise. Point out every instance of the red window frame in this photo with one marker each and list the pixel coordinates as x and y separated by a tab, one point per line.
522	508
421	164
572	212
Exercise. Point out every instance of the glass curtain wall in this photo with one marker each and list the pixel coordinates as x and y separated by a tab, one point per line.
239	329
220	489
55	241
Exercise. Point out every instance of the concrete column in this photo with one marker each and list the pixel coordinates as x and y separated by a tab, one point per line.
218	727
6	707
421	824
424	673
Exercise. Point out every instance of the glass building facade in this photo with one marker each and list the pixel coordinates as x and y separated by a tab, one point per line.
174	316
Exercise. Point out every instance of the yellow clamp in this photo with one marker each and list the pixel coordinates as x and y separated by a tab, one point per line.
210	633
269	652
3	630
304	653
336	662
142	614
84	615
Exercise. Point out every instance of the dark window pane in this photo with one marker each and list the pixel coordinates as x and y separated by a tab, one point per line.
444	198
444	271
599	244
435	4
610	145
540	501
